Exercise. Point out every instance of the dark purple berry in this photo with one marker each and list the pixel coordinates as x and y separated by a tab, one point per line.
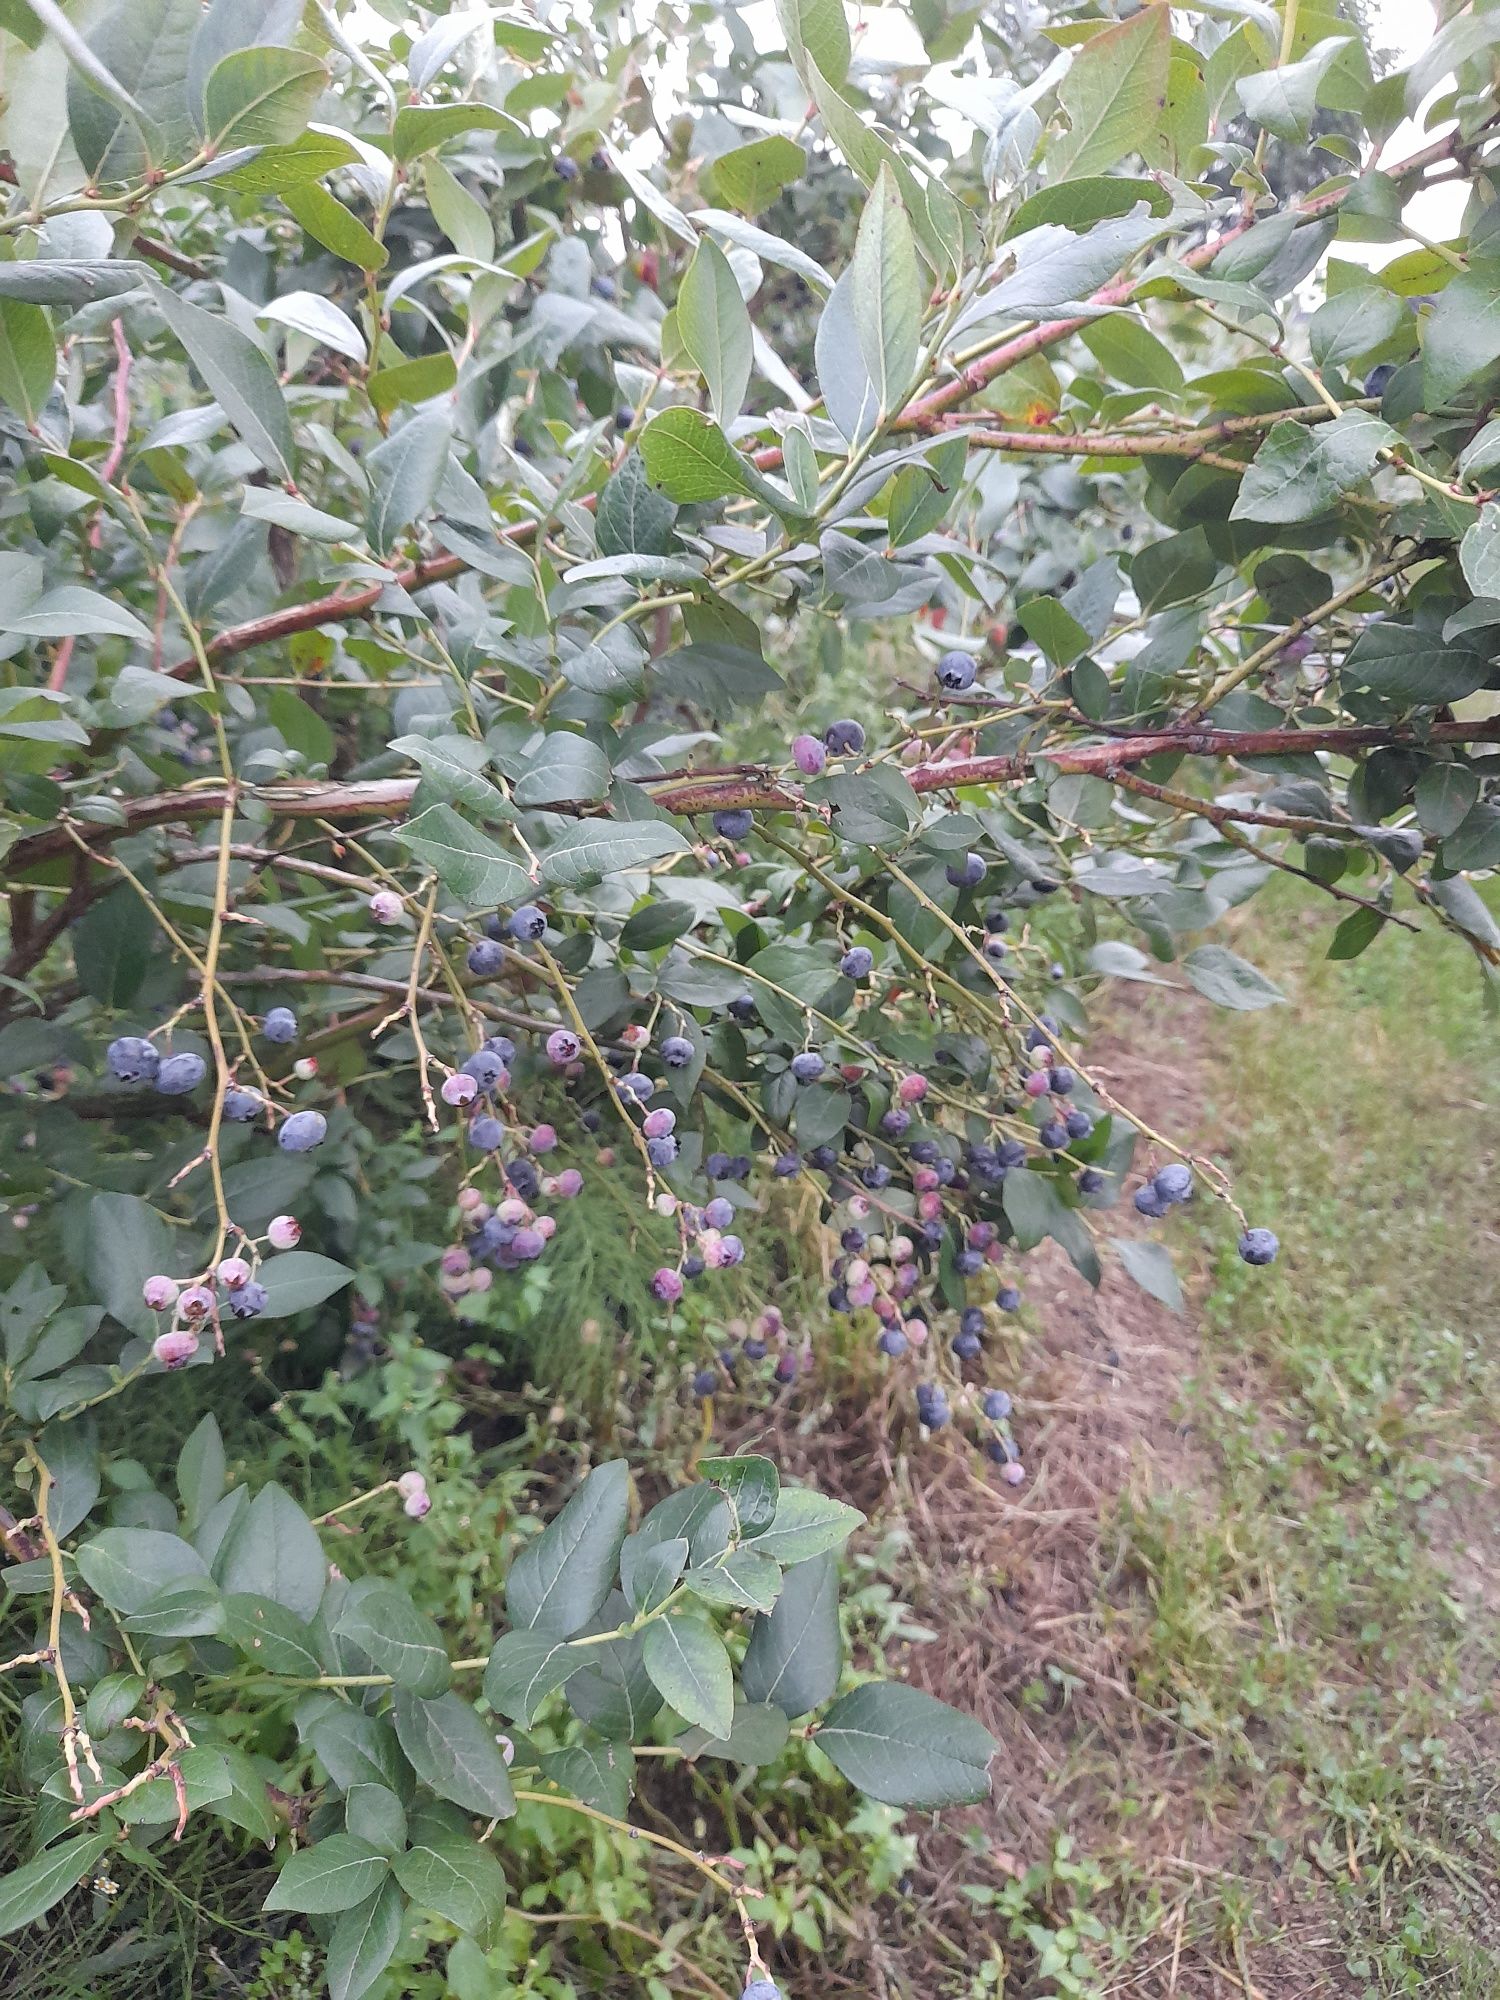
956	672
734	825
857	963
280	1026
844	739
132	1059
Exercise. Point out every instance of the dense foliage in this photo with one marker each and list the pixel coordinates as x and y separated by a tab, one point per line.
456	875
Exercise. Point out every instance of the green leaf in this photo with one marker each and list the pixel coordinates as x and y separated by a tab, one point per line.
297	1280
923	495
238	375
1479	553
1053	627
524	1668
374	1813
559	1581
127	1243
126	1567
750	178
740	1581
850	394
1411	665
1354	323
595	848
689	459
1132	354
818	29
713	325
687	1662
1230	981
1358	930
336	1874
456	1878
321	320
887	294
1283	100
1444	795
190	1609
1150	1265
1461	335
807	1524
758	1735
380	1618
412	382
1114	95
463	220
905	1748
649	1571
600	1773
632	517
568	768
129	110
111	951
451	768
272	1550
29	1892
269	1636
872	808
405	473
467	863
454	1752
201	1471
421	127
70	1452
748	1482
261	97
1302	470
364	1942
796	1651
770	249
68	281
331	224
28	358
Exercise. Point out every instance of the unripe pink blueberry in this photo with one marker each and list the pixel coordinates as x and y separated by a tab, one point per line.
159	1293
915	1331
512	1210
546	1227
543	1139
666	1204
925	1179
1013	1473
385	906
456	1260
606	1156
862	1294
459	1089
657	1124
469	1199
569	1183
982	1235
887	1310
233	1273
1038	1083
453	1287
305	1068
635	1036
857	1272
197	1302
770	1324
418	1505
809	755
930	1207
284	1233
481	1280
858	1206
995	1254
666	1285
176	1348
411	1482
911	1089
907	1280
902	1249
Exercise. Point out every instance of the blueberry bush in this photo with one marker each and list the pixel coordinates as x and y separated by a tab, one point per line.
459	869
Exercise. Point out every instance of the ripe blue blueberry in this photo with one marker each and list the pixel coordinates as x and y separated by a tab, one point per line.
177	1075
527	923
739	1167
563	1046
1149	1202
734	825
564	168
967	1346
485	1133
853	1240
485	1067
1079	1124
786	1165
719	1213
731	1251
661	1152
932	1406
1054	1135
844	739
808	1066
302	1131
761	1989
1378	377
132	1059
893	1342
955	672
1008	1299
280	1026
636	1084
971	1320
896	1122
502	1046
677	1052
1063	1080
693	1267
967	1262
524	1178
997	1405
824	1158
249	1301
755	1348
876	1176
1174	1183
242	1105
485	958
716	1166
996	950
858	962
1259	1246
966	874
742	1007
995	919
1012	1154
1090	1181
